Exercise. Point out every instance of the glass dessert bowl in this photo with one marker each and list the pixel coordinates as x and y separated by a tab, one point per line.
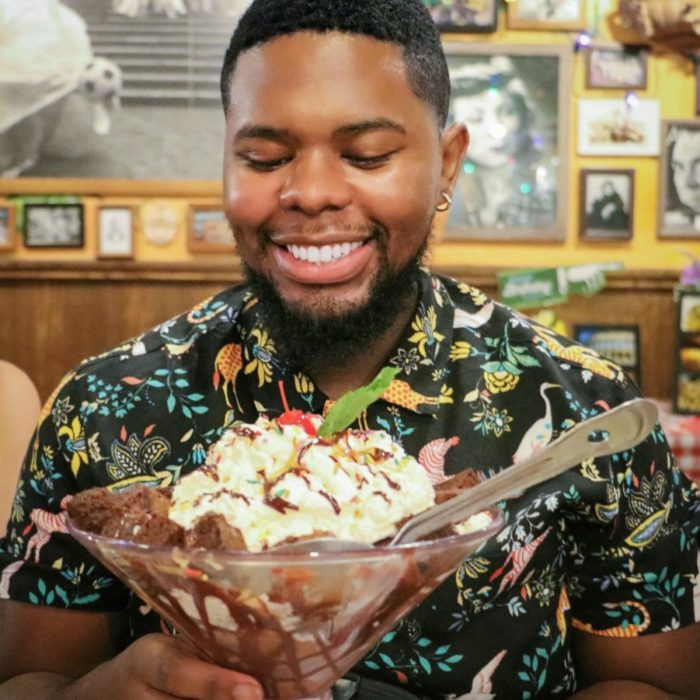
296	621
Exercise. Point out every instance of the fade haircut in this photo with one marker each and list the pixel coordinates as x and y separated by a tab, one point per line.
406	23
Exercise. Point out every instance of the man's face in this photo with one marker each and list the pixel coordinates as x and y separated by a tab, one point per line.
686	168
332	167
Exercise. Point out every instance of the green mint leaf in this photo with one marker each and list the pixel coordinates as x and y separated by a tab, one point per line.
350	405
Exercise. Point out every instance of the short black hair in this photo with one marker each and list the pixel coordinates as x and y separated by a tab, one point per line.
406	23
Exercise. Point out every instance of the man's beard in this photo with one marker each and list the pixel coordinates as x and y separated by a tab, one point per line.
333	335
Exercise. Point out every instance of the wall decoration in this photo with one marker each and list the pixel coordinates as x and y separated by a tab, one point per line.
606	205
7	226
53	225
621	127
536	14
115	232
76	104
464	15
160	221
618	343
679	179
208	230
686	390
616	67
514	100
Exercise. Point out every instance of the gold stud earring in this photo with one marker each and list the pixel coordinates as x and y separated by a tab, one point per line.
445	204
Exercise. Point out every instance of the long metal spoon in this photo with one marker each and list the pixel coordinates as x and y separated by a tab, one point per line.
626	425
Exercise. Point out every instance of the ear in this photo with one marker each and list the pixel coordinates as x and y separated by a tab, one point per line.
454	141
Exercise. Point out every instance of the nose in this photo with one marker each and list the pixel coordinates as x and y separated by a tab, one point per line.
317	182
691	178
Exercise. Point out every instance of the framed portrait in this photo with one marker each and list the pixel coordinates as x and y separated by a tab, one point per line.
620	127
606	205
115	232
536	14
209	230
686	390
514	101
612	67
679	183
7	226
471	16
618	343
53	226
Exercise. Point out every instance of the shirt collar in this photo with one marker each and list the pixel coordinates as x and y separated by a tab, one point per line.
422	354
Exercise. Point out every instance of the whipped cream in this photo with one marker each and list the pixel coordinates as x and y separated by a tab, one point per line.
275	482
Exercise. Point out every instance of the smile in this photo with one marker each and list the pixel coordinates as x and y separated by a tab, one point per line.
322	254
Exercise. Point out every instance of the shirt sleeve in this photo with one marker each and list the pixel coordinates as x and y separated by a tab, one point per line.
631	538
40	562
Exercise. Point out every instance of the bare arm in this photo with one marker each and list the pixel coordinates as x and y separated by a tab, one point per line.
51	654
650	667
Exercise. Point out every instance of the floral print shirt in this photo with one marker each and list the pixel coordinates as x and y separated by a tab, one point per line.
609	547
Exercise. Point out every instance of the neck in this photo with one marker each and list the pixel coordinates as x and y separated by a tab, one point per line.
336	380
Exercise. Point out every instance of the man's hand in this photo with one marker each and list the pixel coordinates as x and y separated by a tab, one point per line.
159	666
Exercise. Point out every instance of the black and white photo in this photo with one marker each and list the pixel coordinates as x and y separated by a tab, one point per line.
679	199
53	225
607	204
464	15
513	179
115	237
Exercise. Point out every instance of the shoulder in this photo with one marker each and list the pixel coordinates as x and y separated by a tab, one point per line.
204	324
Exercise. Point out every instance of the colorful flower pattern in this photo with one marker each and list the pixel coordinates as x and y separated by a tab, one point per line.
608	548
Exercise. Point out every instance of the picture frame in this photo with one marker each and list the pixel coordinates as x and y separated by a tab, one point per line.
208	230
8	233
697	87
679	168
618	127
618	343
115	232
104	132
464	16
535	14
606	204
53	225
616	67
513	183
686	386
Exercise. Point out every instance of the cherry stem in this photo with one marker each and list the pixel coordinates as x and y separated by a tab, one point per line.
280	384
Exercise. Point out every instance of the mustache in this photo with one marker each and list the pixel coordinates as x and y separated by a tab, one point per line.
373	229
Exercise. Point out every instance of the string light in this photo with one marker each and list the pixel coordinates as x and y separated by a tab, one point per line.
583	41
631	99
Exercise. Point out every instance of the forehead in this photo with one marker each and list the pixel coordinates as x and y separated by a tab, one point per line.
328	74
687	144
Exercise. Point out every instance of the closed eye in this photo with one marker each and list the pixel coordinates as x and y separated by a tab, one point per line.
369	162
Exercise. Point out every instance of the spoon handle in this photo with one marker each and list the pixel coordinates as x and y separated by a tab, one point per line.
626	425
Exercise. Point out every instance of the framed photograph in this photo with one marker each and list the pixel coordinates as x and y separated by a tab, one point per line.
618	343
101	123
115	232
514	101
679	179
621	127
606	205
697	87
547	15
686	390
7	226
53	225
469	16
209	230
614	67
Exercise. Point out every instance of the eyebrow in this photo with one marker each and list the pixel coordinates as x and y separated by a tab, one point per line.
271	133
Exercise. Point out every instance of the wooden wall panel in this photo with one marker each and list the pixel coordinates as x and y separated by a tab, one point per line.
53	315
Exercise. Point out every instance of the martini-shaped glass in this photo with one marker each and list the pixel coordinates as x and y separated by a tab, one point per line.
295	621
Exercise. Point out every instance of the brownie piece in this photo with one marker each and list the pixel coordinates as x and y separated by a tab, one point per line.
144	528
212	531
92	508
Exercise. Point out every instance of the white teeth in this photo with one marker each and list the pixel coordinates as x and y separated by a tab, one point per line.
322	254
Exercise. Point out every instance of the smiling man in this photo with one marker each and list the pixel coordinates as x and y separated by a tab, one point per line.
337	156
